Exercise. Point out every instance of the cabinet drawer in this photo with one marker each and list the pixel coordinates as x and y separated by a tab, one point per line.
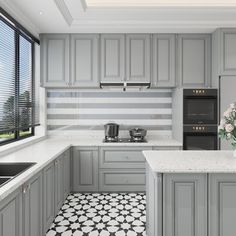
122	158
119	180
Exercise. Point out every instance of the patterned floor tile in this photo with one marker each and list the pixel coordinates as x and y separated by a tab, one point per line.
101	214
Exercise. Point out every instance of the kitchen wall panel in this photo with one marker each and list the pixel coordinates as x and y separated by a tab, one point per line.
83	110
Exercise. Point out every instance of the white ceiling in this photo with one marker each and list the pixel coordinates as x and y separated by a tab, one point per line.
122	16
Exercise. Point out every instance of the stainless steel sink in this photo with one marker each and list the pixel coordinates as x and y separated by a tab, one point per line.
8	171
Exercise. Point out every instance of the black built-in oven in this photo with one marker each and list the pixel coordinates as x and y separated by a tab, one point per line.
200	106
200	119
200	137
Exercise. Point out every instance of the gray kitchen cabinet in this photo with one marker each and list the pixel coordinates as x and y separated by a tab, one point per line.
194	60
48	196
59	183
84	60
163	67
185	204
55	60
222	204
154	201
67	173
112	57
138	57
32	206
126	180
85	169
224	52
122	157
11	215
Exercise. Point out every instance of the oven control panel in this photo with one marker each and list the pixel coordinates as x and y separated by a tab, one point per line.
200	92
200	128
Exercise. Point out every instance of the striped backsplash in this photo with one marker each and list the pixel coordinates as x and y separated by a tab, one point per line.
83	110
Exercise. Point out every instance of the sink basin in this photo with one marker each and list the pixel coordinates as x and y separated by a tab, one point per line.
4	180
9	171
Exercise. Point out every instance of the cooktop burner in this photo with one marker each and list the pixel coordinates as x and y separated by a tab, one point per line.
124	140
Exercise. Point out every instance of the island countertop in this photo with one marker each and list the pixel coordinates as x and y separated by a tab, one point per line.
191	161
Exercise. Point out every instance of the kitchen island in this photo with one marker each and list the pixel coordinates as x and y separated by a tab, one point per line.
191	193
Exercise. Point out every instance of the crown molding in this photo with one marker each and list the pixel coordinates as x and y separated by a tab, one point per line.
20	17
61	5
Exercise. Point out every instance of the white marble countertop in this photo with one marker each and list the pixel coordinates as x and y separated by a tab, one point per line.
191	161
47	150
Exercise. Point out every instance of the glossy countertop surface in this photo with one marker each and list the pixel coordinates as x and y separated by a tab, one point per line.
191	161
49	149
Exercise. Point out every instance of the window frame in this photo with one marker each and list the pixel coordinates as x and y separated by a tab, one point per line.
19	32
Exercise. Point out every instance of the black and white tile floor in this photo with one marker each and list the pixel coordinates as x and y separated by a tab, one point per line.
103	214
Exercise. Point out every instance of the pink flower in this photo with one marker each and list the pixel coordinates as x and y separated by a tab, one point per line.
229	128
232	105
222	122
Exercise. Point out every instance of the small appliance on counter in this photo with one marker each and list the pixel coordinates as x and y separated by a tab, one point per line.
137	135
200	119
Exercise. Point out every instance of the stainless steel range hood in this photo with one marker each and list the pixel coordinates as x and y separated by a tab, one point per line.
124	86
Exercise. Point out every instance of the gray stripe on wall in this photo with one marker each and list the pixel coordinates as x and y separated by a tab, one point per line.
108	106
109	116
81	127
157	94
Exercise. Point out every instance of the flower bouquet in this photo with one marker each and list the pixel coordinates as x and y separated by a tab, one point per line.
227	127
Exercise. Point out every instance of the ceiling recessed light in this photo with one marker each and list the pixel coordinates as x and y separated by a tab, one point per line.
40	13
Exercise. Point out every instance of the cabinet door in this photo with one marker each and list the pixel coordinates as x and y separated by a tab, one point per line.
11	215
48	197
59	184
185	204
55	60
194	60
138	57
222	204
228	51
84	60
85	169
163	60
112	57
32	206
66	166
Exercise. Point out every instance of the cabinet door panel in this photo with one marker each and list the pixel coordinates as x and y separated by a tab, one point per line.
138	57
84	60
185	204
67	184
194	63
222	204
32	200
85	169
48	197
55	60
59	184
228	51
11	215
112	57
163	60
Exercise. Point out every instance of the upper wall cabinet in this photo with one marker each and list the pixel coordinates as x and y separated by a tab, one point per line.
194	60
112	57
224	51
163	66
138	57
55	60
84	60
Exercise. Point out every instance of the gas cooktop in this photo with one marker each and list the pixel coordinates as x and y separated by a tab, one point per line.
124	140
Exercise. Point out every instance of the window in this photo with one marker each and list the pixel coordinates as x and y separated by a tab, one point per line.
17	90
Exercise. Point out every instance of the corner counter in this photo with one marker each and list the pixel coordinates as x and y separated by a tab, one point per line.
190	193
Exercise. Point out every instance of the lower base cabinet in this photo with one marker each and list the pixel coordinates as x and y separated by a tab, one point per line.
85	169
32	206
190	204
48	196
222	205
11	215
